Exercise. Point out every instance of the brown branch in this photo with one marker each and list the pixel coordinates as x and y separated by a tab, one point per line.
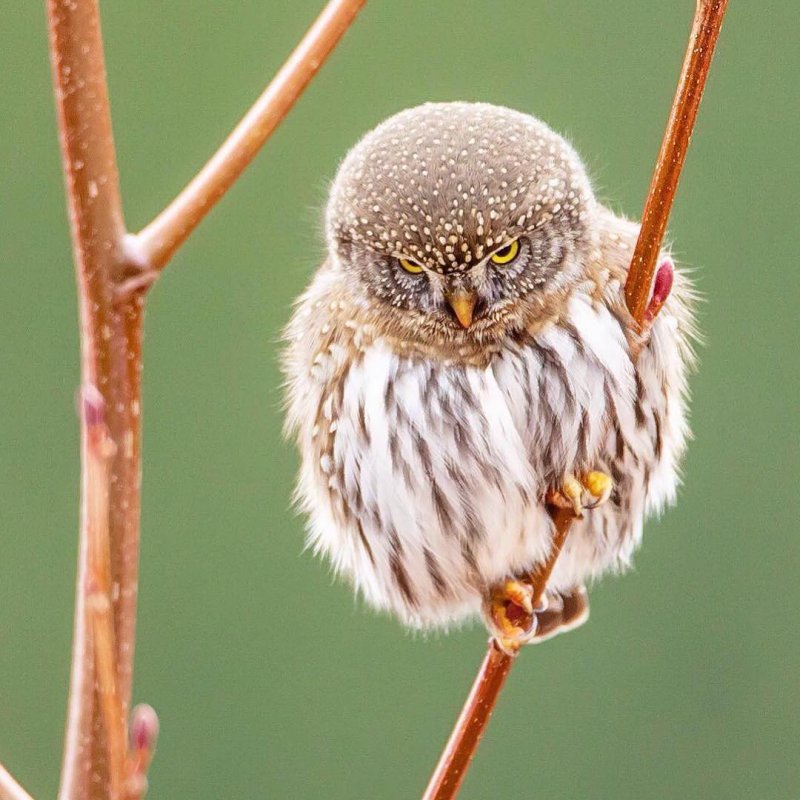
470	726
99	452
111	348
471	723
109	263
156	244
110	335
9	788
696	64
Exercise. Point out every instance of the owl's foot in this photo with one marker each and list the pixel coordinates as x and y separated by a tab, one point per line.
586	491
509	614
514	621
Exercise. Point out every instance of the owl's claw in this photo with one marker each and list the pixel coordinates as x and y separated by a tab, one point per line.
514	621
599	486
519	593
510	614
572	491
587	491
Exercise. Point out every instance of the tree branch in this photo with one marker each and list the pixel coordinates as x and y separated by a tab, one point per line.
9	788
99	452
696	64
479	705
109	264
477	710
110	335
106	260
157	243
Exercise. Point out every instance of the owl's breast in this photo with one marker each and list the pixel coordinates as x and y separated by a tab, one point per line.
425	478
429	464
563	385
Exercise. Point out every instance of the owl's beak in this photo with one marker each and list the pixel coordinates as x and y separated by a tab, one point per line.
463	305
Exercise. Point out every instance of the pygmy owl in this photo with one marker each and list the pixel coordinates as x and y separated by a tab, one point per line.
465	349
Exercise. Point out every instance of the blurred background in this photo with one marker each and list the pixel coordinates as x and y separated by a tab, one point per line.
270	681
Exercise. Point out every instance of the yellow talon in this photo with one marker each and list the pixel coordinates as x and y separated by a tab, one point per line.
573	491
599	485
590	490
519	593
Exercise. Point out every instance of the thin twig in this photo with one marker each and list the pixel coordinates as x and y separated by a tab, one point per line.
99	451
157	242
470	726
9	788
697	61
471	723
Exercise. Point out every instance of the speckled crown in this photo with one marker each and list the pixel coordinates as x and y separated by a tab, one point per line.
448	183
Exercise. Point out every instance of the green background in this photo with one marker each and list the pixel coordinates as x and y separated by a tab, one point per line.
269	679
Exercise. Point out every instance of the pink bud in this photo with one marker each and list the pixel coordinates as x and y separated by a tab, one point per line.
144	728
93	405
662	286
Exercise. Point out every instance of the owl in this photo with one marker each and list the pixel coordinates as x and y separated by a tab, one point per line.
463	352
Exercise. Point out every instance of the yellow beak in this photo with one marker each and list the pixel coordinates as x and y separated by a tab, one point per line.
463	305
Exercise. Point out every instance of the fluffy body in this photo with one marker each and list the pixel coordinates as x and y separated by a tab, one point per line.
427	449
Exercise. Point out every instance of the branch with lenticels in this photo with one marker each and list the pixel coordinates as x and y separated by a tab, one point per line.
646	290
106	757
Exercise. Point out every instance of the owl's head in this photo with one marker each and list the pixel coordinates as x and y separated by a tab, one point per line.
460	218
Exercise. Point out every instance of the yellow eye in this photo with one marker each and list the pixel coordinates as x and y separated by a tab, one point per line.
505	255
410	266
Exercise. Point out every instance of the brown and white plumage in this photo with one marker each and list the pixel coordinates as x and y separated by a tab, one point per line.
427	447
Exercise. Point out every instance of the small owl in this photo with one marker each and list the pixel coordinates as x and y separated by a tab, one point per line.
465	350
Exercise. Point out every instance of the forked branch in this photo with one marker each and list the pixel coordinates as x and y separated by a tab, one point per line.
157	243
99	762
107	259
644	300
110	336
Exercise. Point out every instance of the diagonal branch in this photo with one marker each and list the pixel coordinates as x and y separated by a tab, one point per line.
682	115
470	726
157	243
9	788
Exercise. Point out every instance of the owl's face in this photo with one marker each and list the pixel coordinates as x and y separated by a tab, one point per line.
459	220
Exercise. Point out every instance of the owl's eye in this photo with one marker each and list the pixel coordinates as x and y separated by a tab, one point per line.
505	255
410	266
